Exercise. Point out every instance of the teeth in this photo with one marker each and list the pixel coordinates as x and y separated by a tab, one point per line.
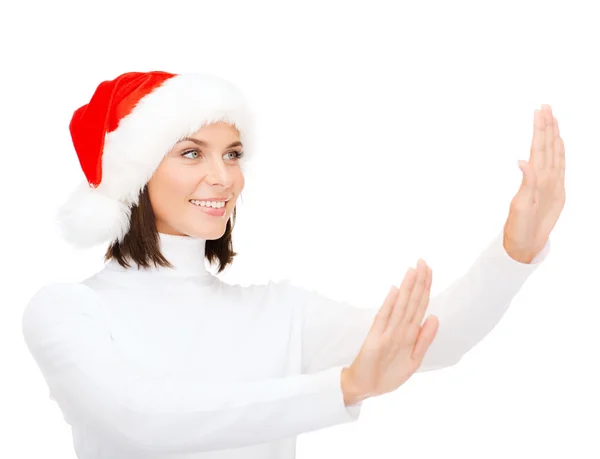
214	204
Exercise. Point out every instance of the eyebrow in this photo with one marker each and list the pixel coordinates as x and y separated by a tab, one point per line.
202	143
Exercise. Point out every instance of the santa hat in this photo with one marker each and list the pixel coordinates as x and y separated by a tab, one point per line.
124	132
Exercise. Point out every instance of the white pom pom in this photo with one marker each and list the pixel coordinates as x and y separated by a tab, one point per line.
89	218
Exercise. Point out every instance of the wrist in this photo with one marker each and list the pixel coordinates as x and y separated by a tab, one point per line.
351	394
518	254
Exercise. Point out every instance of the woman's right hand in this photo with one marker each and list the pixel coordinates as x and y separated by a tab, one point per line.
396	343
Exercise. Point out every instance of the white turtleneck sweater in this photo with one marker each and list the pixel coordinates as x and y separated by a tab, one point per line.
174	363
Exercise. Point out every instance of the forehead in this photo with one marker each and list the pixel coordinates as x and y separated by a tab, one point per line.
218	135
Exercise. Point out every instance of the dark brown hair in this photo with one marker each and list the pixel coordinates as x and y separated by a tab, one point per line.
141	243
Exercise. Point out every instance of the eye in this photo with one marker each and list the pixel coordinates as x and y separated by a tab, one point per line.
190	151
238	154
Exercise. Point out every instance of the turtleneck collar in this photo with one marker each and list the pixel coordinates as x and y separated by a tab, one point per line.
185	253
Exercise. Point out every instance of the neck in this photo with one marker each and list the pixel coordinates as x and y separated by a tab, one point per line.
185	253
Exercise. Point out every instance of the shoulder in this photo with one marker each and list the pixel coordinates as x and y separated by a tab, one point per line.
62	293
55	301
63	322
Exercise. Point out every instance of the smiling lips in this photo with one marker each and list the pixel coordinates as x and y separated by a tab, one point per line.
211	199
210	210
213	204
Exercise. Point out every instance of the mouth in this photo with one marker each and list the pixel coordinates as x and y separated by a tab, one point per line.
220	205
210	210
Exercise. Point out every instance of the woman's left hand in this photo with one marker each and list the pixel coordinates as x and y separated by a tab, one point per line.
540	200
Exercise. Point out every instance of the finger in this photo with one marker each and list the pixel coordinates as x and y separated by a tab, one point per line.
399	307
562	163
548	138
425	338
536	156
559	148
418	318
417	293
382	317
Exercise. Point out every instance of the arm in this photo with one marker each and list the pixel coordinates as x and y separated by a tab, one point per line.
66	331
334	331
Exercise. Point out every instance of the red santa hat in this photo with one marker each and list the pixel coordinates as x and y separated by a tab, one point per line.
122	135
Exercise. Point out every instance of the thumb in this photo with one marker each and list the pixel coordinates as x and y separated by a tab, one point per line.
528	176
425	338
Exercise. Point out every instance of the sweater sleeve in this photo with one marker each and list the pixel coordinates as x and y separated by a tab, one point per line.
334	331
66	330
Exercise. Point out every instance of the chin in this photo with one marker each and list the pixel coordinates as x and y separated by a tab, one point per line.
206	235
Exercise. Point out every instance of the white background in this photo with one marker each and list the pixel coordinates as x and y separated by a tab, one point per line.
388	132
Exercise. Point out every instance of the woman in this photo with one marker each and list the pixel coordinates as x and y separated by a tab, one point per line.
154	356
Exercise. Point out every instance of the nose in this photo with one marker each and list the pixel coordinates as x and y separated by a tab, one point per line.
218	174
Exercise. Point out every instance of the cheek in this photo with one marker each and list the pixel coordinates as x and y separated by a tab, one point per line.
179	180
239	180
171	187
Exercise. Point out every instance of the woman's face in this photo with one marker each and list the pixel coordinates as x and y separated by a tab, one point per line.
204	166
